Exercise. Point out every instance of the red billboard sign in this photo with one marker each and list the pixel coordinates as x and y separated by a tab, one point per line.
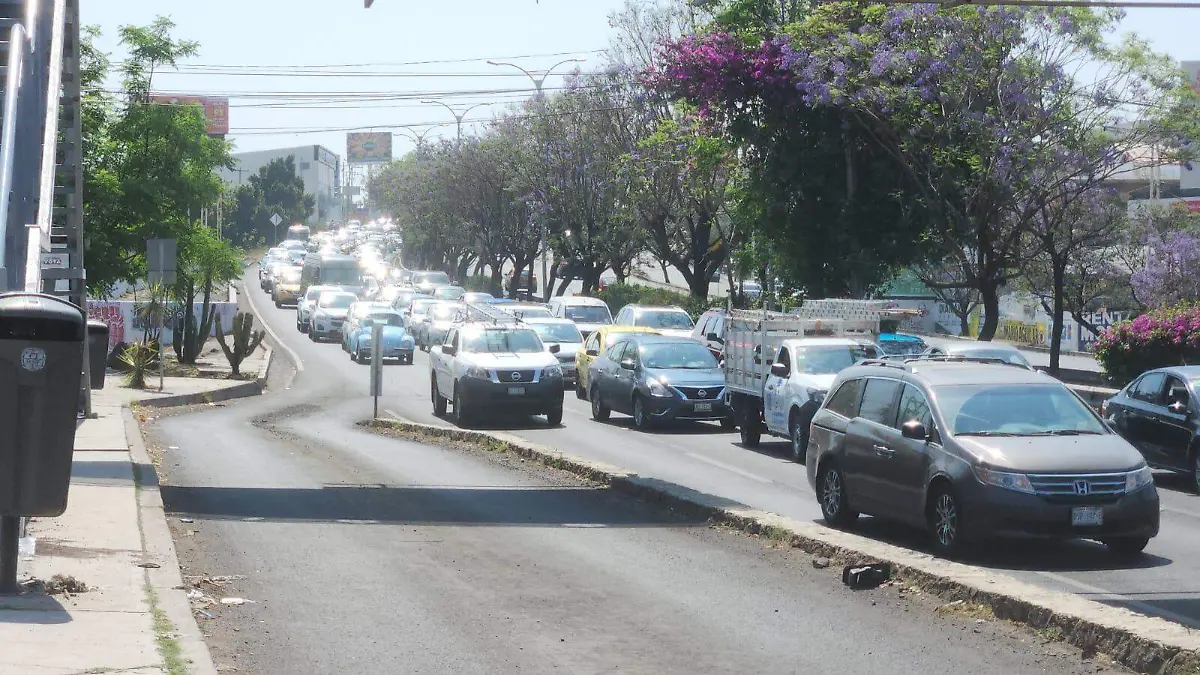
216	109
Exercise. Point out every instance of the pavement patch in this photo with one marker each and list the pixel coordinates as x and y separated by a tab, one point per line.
1142	643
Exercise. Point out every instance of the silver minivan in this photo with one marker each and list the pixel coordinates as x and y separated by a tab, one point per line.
972	450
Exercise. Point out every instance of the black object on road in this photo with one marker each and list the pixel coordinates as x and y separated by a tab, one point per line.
861	577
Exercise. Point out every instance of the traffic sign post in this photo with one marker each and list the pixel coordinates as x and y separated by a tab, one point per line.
377	364
276	219
161	258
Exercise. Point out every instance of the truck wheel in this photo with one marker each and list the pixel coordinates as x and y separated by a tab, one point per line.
798	431
461	414
439	403
554	416
749	426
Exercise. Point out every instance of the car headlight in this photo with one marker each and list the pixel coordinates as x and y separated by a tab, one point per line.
1136	480
1017	482
657	388
478	372
553	372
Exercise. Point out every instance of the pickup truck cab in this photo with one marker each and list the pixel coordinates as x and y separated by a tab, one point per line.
496	367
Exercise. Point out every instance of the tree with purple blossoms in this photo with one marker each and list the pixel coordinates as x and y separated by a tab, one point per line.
1164	256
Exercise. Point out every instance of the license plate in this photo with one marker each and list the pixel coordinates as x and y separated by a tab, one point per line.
516	391
703	407
1087	515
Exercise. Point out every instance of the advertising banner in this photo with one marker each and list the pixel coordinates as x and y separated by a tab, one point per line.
369	148
216	109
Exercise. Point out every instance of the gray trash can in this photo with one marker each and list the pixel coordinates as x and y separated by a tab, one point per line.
97	351
41	357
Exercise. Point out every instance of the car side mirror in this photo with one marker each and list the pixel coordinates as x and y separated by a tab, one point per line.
449	350
780	370
554	349
914	430
593	352
627	364
713	337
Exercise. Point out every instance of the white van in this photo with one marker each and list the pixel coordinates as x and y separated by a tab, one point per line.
589	314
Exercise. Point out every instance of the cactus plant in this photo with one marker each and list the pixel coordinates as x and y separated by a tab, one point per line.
245	340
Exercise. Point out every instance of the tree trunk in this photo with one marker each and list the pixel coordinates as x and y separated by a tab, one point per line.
964	320
496	287
698	284
989	292
1056	317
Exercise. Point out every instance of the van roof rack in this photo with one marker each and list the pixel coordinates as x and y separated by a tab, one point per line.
475	312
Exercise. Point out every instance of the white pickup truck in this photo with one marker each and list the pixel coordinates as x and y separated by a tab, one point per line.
778	367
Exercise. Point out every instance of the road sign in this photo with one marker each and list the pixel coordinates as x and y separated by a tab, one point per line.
160	261
377	363
276	219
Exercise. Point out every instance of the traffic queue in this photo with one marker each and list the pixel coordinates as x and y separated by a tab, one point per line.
968	442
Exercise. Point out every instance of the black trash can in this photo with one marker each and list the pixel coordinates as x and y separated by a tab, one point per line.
97	351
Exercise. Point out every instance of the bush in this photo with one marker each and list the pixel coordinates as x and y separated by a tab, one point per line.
617	296
1164	337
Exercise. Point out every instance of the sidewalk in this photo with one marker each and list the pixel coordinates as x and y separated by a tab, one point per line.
134	616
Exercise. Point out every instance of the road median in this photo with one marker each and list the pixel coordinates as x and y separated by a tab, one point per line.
1143	643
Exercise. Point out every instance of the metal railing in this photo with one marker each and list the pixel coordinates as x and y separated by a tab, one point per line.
19	43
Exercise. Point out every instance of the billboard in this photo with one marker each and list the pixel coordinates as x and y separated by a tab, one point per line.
369	148
216	109
1189	179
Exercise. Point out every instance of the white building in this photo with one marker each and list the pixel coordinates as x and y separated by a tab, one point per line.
317	166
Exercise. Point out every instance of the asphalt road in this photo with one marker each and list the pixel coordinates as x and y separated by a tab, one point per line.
363	553
1165	581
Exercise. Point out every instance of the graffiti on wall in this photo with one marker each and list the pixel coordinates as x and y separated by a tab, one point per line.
124	324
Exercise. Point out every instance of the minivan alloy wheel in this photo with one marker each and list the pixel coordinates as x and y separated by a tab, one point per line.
945	520
831	493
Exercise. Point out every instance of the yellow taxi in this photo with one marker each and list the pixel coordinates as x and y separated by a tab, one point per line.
287	287
594	345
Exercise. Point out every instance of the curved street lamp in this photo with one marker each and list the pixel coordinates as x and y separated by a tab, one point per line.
537	76
458	117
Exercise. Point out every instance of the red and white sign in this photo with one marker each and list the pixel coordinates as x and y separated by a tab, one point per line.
216	109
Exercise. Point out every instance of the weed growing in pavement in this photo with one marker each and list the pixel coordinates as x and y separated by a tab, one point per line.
164	637
1049	634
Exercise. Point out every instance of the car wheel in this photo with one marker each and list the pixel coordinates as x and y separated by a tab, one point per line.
641	419
600	412
461	414
728	423
1127	546
554	416
354	356
439	403
945	521
364	359
831	491
799	435
749	427
580	392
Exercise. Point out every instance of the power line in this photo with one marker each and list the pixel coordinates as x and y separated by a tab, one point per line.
384	64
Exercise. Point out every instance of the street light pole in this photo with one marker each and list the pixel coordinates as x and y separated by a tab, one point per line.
418	138
458	117
537	76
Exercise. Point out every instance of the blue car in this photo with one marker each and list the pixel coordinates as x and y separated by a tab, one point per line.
397	343
901	345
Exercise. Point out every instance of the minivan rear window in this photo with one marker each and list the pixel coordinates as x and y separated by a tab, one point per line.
877	401
845	400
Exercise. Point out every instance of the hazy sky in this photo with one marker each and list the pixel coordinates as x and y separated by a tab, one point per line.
250	49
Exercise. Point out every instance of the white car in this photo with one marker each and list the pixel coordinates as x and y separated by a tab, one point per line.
672	321
565	334
329	314
307	301
589	314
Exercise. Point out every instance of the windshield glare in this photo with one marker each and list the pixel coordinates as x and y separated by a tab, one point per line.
431	278
449	293
443	312
338	300
587	313
520	341
1014	410
690	355
829	359
339	275
531	312
291	275
664	318
387	318
558	332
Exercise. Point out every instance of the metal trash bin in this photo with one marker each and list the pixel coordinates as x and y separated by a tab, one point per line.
97	351
41	358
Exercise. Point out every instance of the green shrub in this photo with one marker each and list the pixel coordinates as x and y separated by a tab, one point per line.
1164	337
617	296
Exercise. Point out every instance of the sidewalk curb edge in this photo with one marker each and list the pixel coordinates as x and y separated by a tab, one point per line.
1143	643
166	580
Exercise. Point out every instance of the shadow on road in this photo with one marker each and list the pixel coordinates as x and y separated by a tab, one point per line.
1184	610
440	505
1175	482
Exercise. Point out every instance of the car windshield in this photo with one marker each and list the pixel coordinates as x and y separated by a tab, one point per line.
1005	355
1015	410
671	319
687	355
387	318
902	347
431	278
828	359
337	300
558	332
291	275
587	313
443	312
350	275
421	306
450	293
503	341
478	297
530	312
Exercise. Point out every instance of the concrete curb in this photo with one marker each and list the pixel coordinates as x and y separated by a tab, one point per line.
1142	643
244	390
166	581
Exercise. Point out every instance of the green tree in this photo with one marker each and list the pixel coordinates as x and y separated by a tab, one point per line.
274	189
148	168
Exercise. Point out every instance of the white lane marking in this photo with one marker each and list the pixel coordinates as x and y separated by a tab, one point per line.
1136	605
728	467
296	361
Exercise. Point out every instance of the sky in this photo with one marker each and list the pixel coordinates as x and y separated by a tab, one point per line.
293	69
